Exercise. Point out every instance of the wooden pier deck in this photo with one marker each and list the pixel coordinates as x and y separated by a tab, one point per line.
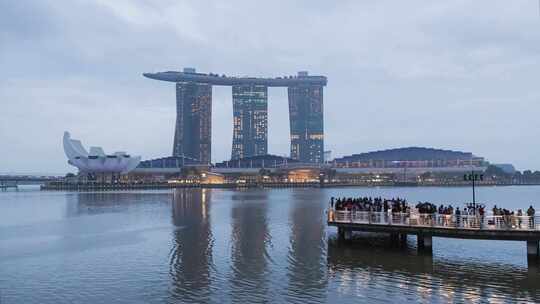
427	226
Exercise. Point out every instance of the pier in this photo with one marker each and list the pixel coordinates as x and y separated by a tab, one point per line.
4	185
14	181
427	226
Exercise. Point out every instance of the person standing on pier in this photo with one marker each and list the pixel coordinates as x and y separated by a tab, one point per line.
530	213
519	214
481	213
458	217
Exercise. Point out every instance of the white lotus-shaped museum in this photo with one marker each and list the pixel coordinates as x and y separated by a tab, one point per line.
96	161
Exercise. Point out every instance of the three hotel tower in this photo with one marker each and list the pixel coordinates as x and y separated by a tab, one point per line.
193	131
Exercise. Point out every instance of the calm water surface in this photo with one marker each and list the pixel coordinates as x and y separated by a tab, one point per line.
221	246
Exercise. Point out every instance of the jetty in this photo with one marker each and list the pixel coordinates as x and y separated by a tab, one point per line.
427	226
4	185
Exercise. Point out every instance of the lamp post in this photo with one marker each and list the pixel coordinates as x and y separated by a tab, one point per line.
473	177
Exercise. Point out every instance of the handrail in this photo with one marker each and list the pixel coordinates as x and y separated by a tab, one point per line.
450	221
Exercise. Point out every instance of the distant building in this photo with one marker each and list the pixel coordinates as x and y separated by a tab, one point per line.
306	114
267	168
258	161
193	132
250	128
163	168
410	157
327	155
412	160
507	168
96	161
170	162
250	120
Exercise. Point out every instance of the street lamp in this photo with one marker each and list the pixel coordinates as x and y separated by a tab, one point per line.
472	177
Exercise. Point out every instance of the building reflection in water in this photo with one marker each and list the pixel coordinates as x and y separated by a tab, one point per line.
79	203
250	238
367	265
307	249
191	252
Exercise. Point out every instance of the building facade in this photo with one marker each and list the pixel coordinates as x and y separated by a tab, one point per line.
250	121
306	123
95	160
411	157
193	132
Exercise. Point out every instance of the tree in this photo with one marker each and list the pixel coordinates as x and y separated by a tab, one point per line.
495	171
425	175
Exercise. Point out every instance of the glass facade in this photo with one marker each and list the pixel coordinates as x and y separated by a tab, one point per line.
193	132
306	123
250	121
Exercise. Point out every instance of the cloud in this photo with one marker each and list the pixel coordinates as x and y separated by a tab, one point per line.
454	74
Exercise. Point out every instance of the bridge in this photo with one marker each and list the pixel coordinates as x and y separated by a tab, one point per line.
427	226
13	181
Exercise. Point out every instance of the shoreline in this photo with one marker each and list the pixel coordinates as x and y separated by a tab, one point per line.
161	186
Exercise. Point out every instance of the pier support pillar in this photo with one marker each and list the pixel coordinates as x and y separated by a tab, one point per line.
344	233
403	239
425	243
341	233
394	239
532	249
347	234
428	241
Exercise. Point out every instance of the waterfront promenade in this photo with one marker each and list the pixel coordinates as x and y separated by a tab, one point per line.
96	186
60	186
427	226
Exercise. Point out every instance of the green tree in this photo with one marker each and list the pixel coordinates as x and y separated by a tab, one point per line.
496	172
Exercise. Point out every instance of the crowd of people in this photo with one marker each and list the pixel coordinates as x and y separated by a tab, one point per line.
377	204
469	209
506	212
400	205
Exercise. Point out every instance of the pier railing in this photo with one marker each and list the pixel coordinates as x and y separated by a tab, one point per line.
486	222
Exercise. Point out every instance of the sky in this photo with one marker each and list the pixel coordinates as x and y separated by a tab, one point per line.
453	74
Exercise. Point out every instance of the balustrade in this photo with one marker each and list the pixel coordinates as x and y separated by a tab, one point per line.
486	222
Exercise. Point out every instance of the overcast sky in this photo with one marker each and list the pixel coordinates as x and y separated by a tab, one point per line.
452	74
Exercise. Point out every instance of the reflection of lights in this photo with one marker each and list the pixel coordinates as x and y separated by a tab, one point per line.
203	202
180	181
424	291
473	295
448	292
